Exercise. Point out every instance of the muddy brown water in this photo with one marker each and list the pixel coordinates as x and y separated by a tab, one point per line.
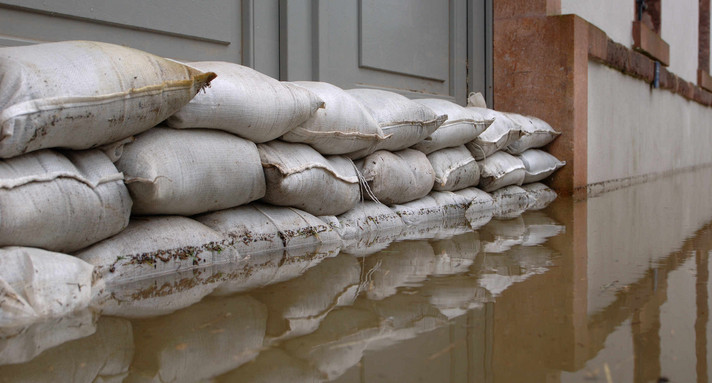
612	289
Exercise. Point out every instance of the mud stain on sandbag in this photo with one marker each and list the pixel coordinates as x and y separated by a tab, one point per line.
180	254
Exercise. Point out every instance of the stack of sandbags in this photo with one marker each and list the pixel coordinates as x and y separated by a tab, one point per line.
73	95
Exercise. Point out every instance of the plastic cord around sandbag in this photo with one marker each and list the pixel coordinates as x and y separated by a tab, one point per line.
364	185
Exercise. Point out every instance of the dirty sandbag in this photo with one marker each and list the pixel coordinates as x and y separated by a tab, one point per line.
46	101
342	126
367	228
540	227
540	195
152	246
24	343
298	176
397	177
455	169
103	356
258	227
500	170
339	342
433	207
247	103
267	268
445	227
296	307
185	172
462	125
36	284
498	236
510	202
61	201
403	121
539	165
500	134
403	263
479	199
200	342
157	296
262	370
535	133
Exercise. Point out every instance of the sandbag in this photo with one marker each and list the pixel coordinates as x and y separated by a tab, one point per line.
539	165
540	195
403	122
259	227
246	103
500	134
298	176
152	246
397	177
367	228
462	125
510	202
187	172
435	206
342	126
36	284
81	94
455	169
61	201
500	170
535	133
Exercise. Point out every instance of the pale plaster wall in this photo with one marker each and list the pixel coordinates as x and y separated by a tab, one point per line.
679	28
615	17
635	131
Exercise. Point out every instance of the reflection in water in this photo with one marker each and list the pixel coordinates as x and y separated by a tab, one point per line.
615	288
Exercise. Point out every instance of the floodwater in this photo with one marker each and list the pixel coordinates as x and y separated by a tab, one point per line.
612	289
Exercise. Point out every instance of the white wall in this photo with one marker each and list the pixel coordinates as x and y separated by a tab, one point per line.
679	28
633	131
615	17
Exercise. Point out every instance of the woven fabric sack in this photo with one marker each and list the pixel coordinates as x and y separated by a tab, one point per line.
535	133
154	246
257	228
403	121
500	170
510	202
36	283
462	125
82	94
247	103
191	171
540	195
298	176
342	126
455	169
397	177
501	133
539	165
61	201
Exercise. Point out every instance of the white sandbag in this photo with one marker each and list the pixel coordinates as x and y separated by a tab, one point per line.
152	246
500	170
539	165
82	94
510	202
61	201
104	356
36	284
397	177
342	126
455	169
540	195
403	122
185	172
367	228
257	227
462	125
500	134
246	103
535	133
298	176
436	206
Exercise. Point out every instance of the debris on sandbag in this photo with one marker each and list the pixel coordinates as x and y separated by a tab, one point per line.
367	228
61	201
540	195
36	284
46	102
510	202
247	103
462	125
343	126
